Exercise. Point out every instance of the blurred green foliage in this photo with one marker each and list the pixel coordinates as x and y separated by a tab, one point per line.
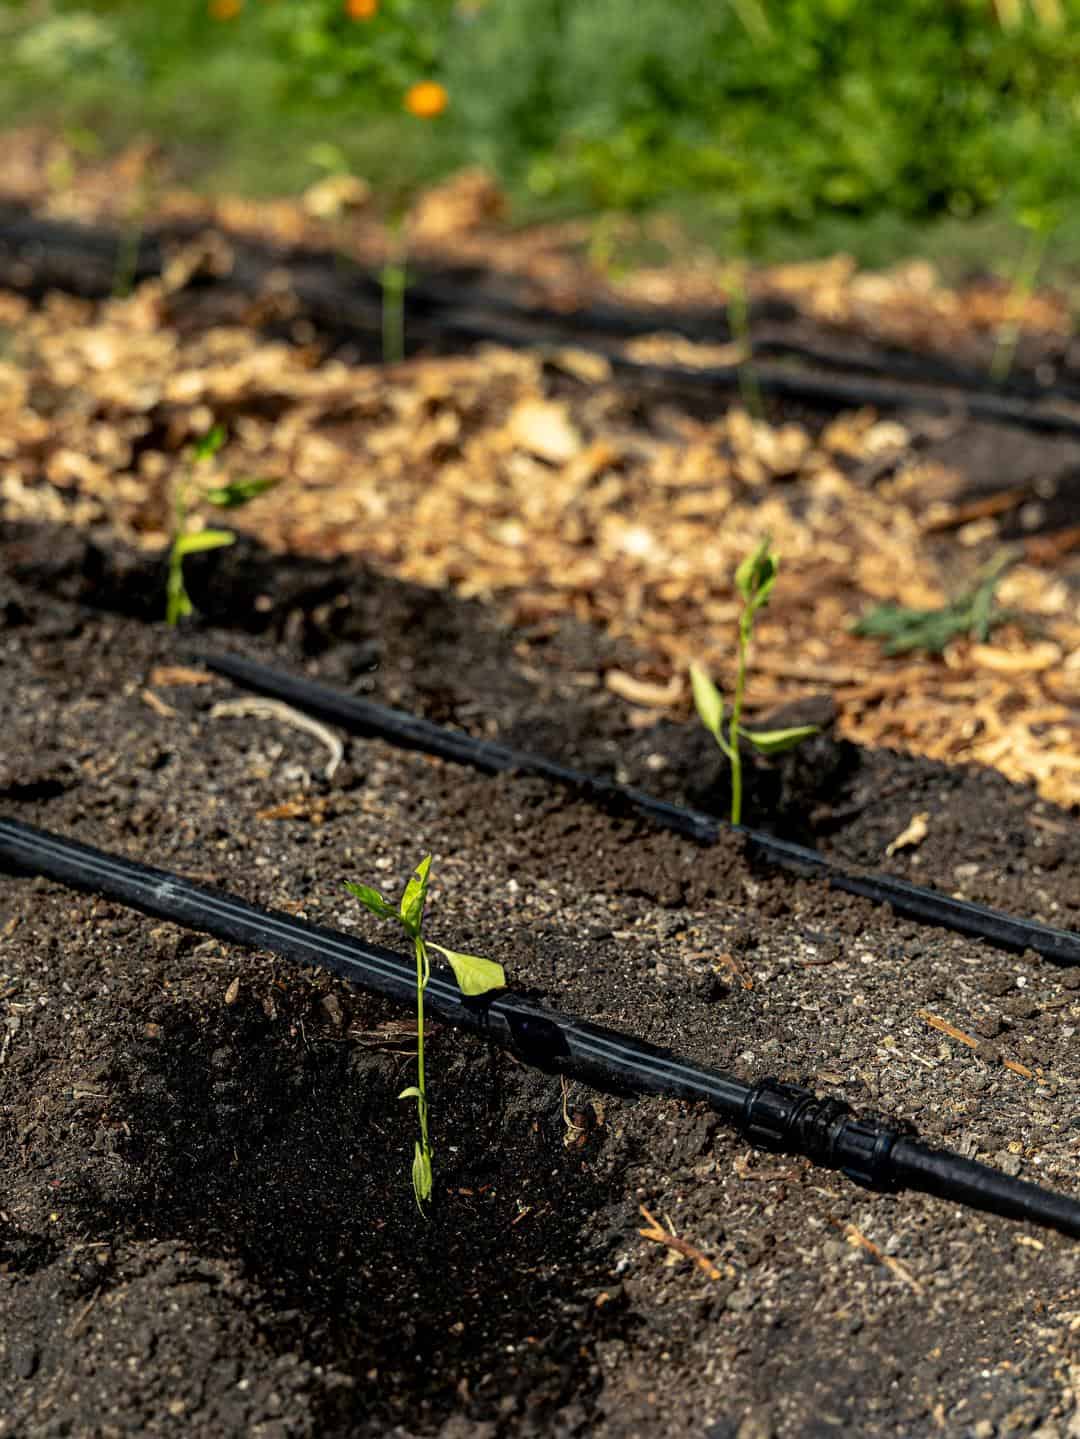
774	116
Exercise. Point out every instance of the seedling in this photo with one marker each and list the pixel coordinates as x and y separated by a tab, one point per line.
1040	223
394	280
473	974
738	310
754	579
188	542
902	630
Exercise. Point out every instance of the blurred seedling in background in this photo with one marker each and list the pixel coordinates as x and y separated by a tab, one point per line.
902	630
754	579
738	310
426	100
188	541
1039	223
474	976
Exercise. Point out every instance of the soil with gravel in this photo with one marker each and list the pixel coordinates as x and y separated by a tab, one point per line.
206	1220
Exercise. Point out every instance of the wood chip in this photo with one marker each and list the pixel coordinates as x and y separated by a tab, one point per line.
171	675
1036	657
644	692
912	835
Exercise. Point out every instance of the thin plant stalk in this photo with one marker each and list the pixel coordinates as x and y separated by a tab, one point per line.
1024	278
739	320
394	279
227	497
177	603
754	580
474	974
745	622
423	974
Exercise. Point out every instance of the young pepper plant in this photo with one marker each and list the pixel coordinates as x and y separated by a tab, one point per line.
473	974
188	542
754	579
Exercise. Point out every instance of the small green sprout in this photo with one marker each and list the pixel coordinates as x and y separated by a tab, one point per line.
754	579
903	630
473	974
188	542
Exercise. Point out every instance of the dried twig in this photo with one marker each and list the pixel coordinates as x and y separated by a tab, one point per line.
158	705
659	1235
274	709
859	1240
943	1025
169	675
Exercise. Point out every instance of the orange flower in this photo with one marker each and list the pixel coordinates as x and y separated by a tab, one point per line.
426	99
361	9
225	9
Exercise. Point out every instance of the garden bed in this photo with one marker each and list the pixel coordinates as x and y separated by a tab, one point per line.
208	1224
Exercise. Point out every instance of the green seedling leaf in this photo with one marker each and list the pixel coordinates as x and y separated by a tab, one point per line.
178	604
197	540
473	974
708	701
756	576
421	1175
776	741
372	899
411	1093
208	446
239	492
412	901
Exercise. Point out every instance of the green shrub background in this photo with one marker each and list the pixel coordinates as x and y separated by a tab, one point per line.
771	121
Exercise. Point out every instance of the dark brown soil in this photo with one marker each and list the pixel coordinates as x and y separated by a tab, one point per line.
206	1222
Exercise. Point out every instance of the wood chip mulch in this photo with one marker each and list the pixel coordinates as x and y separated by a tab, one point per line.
540	483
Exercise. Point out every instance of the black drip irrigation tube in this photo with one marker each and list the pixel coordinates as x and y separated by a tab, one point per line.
84	260
876	1152
926	906
789	383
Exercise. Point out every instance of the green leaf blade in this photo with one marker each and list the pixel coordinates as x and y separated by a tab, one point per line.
411	909
239	492
196	541
474	974
756	576
371	899
207	447
777	741
708	701
421	1176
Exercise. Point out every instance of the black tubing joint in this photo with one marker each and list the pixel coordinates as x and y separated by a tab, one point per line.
789	1117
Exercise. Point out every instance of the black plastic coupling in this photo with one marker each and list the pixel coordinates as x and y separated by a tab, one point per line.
788	1117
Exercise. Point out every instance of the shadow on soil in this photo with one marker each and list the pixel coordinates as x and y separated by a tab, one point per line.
252	1135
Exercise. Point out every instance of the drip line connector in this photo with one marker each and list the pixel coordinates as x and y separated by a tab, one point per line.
875	1152
786	1116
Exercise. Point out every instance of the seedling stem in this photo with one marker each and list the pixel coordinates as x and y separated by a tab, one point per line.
188	542
473	974
754	579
